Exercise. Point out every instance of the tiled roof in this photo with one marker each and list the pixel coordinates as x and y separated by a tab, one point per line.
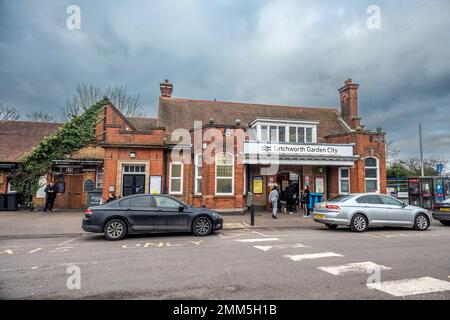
20	137
176	113
143	124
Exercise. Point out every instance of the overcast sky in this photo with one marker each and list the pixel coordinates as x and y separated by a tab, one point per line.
284	52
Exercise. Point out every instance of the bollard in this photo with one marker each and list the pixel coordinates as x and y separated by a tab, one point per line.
252	215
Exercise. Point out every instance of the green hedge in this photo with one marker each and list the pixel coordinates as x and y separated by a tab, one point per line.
72	136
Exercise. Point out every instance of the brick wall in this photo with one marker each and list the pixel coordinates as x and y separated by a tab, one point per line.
366	145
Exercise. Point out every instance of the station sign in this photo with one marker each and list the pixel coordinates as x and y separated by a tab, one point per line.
269	149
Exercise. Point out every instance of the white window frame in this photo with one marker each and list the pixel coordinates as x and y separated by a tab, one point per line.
377	179
97	174
346	179
10	188
198	169
177	178
219	178
259	123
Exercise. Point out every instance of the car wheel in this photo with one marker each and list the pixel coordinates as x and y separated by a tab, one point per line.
445	222
115	229
359	223
331	226
421	222
202	226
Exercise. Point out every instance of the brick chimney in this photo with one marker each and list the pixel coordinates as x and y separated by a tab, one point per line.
166	89
349	104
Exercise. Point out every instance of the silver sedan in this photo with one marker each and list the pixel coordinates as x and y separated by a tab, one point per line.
359	211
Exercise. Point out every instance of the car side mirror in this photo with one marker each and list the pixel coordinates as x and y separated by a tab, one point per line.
181	208
404	205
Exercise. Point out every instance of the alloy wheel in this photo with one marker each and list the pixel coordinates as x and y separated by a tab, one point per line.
202	226
359	223
421	222
115	230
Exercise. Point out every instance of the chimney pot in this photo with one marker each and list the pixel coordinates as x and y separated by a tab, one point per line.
166	89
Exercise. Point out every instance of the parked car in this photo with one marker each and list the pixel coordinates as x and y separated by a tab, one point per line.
149	213
360	211
441	212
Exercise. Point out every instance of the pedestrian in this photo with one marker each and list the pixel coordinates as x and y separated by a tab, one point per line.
274	197
290	199
305	201
112	197
50	196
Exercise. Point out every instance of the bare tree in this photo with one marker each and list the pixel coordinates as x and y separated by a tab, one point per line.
392	151
41	117
86	95
8	113
414	166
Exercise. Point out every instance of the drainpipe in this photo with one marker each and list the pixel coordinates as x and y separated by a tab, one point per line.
165	171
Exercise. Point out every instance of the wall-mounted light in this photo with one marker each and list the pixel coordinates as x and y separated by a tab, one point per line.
132	155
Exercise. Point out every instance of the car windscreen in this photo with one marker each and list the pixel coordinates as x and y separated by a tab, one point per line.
341	198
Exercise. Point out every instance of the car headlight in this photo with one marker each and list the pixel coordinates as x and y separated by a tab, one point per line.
216	215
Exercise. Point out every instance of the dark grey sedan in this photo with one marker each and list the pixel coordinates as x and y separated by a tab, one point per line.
149	213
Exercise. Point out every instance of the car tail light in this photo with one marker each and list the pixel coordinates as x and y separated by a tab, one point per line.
88	211
333	207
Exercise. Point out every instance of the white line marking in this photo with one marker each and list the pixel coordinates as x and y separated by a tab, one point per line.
36	250
281	246
65	242
358	267
310	256
408	287
258	240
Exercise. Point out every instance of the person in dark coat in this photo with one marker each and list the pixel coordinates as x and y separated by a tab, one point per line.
305	201
112	197
50	196
290	199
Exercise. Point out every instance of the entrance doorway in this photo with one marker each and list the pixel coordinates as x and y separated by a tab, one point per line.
284	179
133	180
70	190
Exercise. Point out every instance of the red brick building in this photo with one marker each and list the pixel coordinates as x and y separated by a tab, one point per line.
212	153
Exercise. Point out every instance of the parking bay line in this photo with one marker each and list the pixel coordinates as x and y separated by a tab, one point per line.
310	256
408	287
358	267
258	240
281	246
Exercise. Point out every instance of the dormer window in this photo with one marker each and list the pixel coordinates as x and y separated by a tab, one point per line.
285	131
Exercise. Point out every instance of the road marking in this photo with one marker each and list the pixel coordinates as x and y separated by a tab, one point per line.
35	250
237	225
408	287
258	240
358	267
7	251
301	257
70	240
281	246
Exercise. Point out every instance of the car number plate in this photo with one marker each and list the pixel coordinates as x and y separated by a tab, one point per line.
445	209
319	216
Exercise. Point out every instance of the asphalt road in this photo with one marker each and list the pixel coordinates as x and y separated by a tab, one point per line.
304	263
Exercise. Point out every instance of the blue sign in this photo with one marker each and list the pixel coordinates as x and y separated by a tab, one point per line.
439	168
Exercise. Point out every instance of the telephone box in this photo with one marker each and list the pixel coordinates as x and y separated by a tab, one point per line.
426	191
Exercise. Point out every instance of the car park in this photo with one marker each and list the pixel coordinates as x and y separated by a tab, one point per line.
441	212
149	213
361	211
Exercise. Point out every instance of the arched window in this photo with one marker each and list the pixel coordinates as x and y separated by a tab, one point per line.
224	174
372	174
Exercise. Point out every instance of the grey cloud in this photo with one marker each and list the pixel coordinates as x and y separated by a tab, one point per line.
285	52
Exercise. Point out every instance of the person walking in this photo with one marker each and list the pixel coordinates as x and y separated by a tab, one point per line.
290	199
305	201
274	196
50	196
